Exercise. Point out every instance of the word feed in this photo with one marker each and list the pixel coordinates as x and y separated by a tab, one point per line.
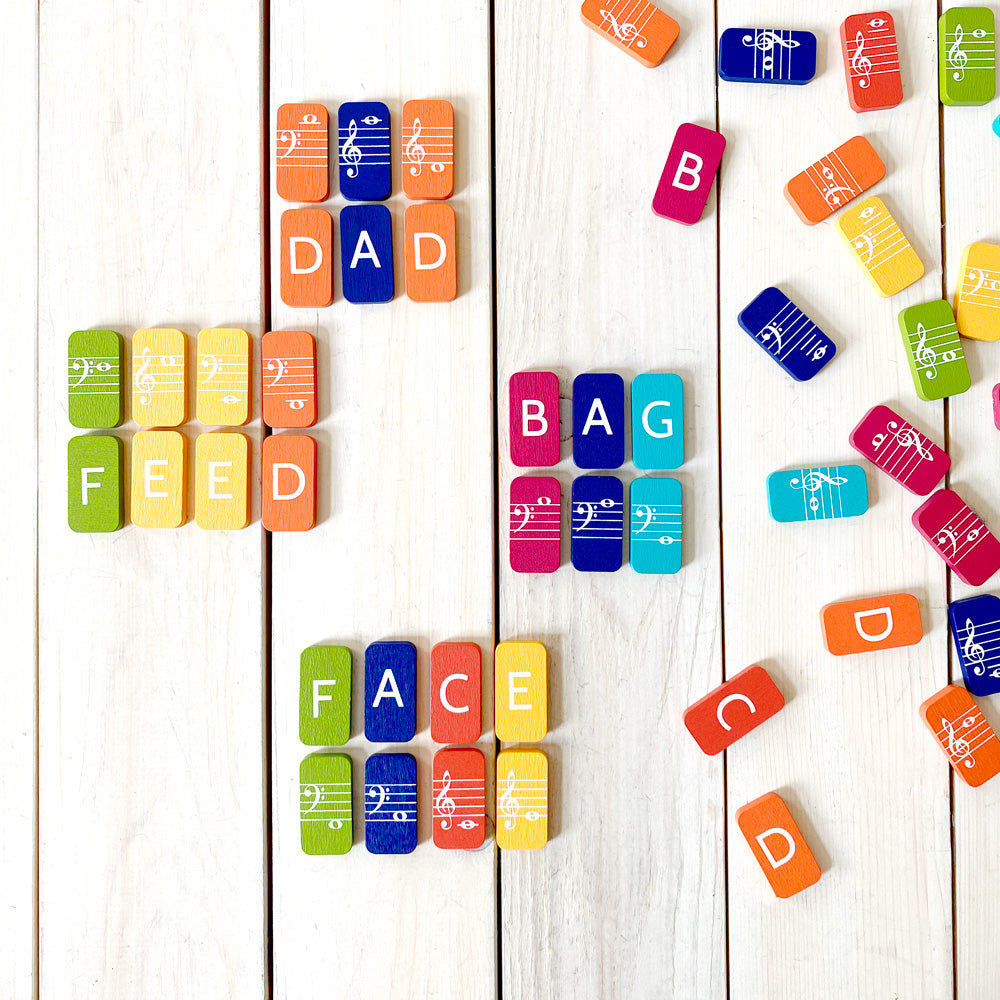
975	628
871	61
871	623
967	56
835	180
766	55
688	174
638	27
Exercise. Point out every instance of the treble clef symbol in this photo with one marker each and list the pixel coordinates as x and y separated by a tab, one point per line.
972	650
957	56
508	805
415	153
444	804
924	355
860	63
907	437
625	32
958	748
812	482
144	381
351	154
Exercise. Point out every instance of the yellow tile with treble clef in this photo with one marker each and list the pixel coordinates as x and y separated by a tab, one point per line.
934	351
223	378
977	292
522	822
880	246
158	368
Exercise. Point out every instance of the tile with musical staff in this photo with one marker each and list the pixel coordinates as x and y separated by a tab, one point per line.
459	797
778	845
326	810
430	243
934	351
520	672
390	692
959	536
428	154
657	421
95	480
655	526
159	359
826	491
535	524
967	56
875	239
900	450
391	803
797	344
871	623
871	61
365	151
598	420
977	292
688	174
968	740
222	481
522	785
306	258
767	55
288	378
638	27
95	379
302	152
834	180
975	628
456	692
597	525
159	476
288	482
534	419
222	397
366	253
325	696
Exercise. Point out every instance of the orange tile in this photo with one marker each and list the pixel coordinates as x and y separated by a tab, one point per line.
431	269
306	258
640	28
302	152
777	844
288	378
288	482
428	149
833	181
872	623
964	734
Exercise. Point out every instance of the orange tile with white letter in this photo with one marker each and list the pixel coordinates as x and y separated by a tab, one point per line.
965	736
288	482
221	476
733	709
871	623
521	697
456	692
158	479
306	258
777	844
430	243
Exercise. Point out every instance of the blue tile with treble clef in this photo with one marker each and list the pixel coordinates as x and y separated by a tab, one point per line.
390	803
364	151
655	520
795	342
766	55
975	627
597	525
818	493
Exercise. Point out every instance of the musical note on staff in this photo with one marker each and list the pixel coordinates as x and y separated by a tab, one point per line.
522	799
326	803
459	795
934	351
302	161
158	374
390	803
871	61
365	151
834	180
975	627
535	524
818	493
428	141
638	27
880	246
95	379
963	733
766	55
977	292
959	536
326	811
966	56
597	526
656	526
223	379
288	378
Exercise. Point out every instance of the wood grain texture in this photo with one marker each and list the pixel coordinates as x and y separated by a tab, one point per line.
431	250
222	481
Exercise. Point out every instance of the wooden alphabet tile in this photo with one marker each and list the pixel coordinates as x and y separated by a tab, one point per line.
522	817
968	740
733	709
871	623
302	152
638	27
880	247
655	523
95	478
431	253
688	174
288	378
288	482
459	797
326	809
934	351
658	421
223	378
834	180
521	695
977	293
871	61
159	475
975	627
795	342
428	149
597	526
967	56
456	692
325	696
767	55
390	692
222	481
366	253
95	379
777	844
534	419
959	536
535	524
900	450
159	359
818	493
365	151
598	420
306	258
390	803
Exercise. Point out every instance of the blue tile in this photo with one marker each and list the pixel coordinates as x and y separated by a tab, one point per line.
767	55
658	421
818	493
975	627
598	421
390	692
597	526
795	342
655	519
364	151
390	803
366	253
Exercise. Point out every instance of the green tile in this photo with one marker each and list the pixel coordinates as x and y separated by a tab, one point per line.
325	803
95	379
325	696
95	483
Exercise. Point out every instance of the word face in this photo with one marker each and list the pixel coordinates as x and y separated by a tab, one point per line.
534	419
95	379
597	525
966	56
431	263
965	736
428	149
795	342
522	800
459	796
288	378
817	494
325	696
833	181
456	692
638	27
598	420
301	152
977	294
366	253
900	450
390	803
871	623
159	467
764	55
658	421
779	847
733	709
880	247
688	174
365	151
535	524
158	365
521	705
390	692
933	350
223	374
95	483
975	627
288	482
655	520
871	61
326	813
306	258
222	481
958	535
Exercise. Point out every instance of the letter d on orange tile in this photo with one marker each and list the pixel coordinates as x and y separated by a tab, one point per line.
777	844
306	258
431	269
288	482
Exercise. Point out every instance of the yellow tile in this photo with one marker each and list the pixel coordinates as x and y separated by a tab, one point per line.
880	246
223	377
977	294
158	359
521	676
221	474
158	478
522	800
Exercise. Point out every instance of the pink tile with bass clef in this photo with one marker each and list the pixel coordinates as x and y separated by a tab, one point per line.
689	174
959	536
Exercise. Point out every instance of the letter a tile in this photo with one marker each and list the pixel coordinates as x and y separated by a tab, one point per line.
534	419
390	692
779	847
95	483
688	174
391	803
871	623
325	696
521	696
598	420
95	379
733	709
326	813
366	253
306	258
159	476
431	247
638	27
459	796
975	627
456	692
965	736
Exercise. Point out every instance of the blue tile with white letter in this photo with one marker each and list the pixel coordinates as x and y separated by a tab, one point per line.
975	627
597	524
390	692
366	253
767	55
364	151
816	494
658	421
795	342
390	803
655	522
598	420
